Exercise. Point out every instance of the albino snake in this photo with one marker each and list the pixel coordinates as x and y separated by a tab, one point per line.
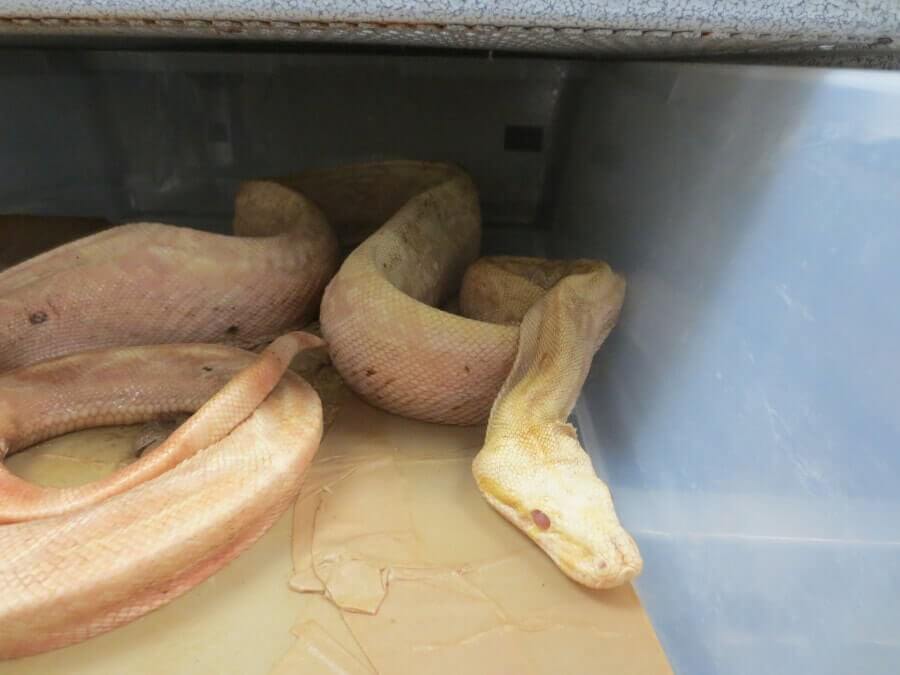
80	561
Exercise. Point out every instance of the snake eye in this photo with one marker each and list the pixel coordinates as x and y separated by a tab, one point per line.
541	519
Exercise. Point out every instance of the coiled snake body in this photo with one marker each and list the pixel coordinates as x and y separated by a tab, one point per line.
156	528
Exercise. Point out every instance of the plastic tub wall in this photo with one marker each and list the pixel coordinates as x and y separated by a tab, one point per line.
745	410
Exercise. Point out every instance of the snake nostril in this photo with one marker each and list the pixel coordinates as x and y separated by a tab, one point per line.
540	519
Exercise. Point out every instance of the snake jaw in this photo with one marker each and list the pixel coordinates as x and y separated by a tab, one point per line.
610	562
579	529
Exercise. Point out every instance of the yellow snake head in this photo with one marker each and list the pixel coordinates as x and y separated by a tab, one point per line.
532	468
543	482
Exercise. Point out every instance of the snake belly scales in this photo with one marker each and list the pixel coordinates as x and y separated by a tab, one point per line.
144	320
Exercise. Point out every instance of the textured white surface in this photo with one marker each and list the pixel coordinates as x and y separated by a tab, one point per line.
848	17
597	26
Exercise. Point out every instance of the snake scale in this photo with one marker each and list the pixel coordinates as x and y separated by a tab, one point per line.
145	320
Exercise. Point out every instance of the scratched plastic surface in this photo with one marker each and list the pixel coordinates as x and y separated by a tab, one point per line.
745	410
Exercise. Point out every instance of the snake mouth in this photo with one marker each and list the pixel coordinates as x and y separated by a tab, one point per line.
610	564
588	566
595	572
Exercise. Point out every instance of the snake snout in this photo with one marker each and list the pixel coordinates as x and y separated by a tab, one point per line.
614	563
596	556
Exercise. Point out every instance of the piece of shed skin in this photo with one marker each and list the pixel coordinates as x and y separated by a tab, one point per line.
464	591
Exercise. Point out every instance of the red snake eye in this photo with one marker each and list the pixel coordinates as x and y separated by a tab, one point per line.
540	519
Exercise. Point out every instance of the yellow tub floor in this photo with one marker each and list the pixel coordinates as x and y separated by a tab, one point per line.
398	566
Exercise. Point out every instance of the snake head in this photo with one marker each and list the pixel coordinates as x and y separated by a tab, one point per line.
542	481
